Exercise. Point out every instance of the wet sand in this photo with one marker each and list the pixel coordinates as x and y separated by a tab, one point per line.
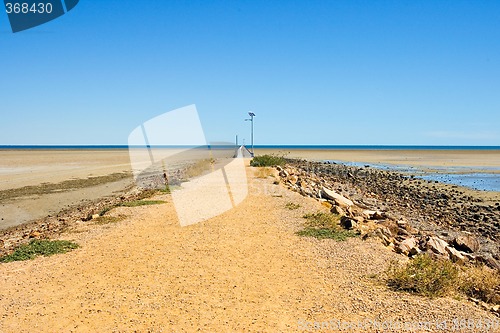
475	159
29	168
20	168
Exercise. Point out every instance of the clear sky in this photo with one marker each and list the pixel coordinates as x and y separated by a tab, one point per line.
313	72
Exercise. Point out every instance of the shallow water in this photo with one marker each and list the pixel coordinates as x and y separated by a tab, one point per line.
482	179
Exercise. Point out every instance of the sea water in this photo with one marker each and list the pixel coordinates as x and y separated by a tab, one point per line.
477	178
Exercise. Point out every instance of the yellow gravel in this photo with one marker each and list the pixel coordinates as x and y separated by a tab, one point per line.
243	271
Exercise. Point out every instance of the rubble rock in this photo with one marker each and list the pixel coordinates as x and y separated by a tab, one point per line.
415	251
340	200
437	245
284	174
348	223
455	255
406	246
337	210
466	243
367	213
35	234
293	179
488	260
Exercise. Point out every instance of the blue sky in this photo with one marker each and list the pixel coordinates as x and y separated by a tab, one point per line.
314	72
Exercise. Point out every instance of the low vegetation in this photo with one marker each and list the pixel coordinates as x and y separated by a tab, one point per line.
267	161
423	276
101	220
39	247
134	203
324	226
426	276
137	203
292	206
481	283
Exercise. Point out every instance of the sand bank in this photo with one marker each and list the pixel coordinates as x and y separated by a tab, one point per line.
476	159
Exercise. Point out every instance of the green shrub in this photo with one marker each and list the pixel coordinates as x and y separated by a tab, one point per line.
39	247
322	220
326	233
267	161
324	225
424	276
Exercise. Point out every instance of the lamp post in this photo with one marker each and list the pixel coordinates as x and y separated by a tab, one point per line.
251	114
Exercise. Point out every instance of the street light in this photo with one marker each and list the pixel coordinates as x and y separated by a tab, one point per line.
251	114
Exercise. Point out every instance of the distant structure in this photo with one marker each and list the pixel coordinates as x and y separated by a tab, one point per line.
251	114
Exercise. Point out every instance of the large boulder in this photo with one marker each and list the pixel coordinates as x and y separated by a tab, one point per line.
466	243
284	174
340	200
437	245
488	260
407	246
348	222
455	255
337	210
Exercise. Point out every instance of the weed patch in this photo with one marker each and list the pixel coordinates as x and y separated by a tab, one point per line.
267	161
424	276
39	247
324	226
292	206
101	220
137	203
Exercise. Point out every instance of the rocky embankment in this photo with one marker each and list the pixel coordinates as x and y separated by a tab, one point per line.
408	214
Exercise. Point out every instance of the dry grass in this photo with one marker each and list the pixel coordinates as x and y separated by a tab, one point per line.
426	276
482	283
423	276
292	206
322	220
101	220
264	172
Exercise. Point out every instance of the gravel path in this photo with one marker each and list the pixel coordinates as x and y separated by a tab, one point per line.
242	271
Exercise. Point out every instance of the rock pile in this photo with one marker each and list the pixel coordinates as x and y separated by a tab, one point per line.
380	204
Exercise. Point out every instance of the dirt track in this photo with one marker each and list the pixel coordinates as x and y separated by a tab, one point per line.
245	270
